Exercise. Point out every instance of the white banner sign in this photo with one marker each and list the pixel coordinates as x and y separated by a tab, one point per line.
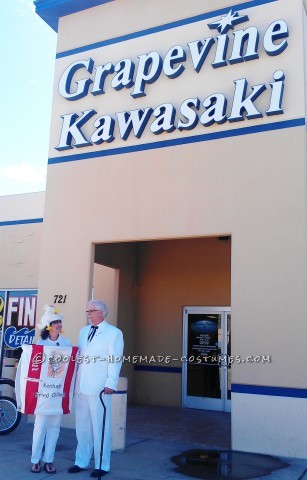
45	379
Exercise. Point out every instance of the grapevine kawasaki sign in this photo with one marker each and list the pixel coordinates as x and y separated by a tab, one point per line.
164	118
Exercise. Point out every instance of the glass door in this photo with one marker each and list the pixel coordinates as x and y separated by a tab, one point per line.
206	347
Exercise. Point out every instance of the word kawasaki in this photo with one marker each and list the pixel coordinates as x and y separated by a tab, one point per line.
163	117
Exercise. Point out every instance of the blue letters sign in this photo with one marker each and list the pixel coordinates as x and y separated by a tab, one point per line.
14	338
19	318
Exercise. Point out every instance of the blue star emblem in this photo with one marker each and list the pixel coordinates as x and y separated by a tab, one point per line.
228	21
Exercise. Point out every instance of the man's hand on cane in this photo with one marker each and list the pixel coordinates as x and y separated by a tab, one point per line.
108	391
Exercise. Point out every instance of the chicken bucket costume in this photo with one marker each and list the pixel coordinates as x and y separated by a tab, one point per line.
45	376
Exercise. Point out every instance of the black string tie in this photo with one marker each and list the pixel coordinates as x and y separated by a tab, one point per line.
91	333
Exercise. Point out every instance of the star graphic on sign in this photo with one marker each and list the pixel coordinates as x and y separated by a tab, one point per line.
228	21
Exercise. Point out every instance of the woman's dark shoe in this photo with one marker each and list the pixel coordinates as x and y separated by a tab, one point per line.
36	467
49	467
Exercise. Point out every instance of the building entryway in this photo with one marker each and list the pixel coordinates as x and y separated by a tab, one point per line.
150	283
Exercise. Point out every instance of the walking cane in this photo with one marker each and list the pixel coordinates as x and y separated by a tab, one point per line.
102	430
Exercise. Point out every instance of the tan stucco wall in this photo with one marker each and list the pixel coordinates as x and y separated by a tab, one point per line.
105	285
20	244
269	266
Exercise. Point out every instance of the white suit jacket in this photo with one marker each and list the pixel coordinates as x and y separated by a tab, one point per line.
96	370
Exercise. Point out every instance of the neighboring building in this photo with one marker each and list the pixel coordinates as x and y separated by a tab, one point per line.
177	164
21	221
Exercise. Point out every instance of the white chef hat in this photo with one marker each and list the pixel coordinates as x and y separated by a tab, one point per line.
50	315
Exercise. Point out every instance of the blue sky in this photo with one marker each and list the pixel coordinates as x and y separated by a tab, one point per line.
28	47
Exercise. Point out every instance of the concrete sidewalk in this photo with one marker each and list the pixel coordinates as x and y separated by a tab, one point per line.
150	448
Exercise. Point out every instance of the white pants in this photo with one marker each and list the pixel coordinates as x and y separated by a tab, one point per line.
46	431
89	418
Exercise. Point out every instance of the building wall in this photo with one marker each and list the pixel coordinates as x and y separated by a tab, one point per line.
21	224
244	178
105	285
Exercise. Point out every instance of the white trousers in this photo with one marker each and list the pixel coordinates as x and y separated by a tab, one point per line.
89	418
46	431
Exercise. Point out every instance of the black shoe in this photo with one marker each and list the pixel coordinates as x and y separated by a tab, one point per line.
98	473
49	467
75	469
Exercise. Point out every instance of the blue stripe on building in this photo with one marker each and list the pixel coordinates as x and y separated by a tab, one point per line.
21	222
298	122
236	387
270	391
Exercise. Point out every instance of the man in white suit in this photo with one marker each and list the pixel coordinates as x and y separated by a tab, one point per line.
100	349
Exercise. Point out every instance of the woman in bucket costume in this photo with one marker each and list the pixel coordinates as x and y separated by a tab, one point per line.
47	427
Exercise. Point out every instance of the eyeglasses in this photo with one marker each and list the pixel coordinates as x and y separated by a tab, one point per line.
91	311
56	321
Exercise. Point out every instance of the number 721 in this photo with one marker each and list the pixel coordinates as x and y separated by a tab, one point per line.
60	298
